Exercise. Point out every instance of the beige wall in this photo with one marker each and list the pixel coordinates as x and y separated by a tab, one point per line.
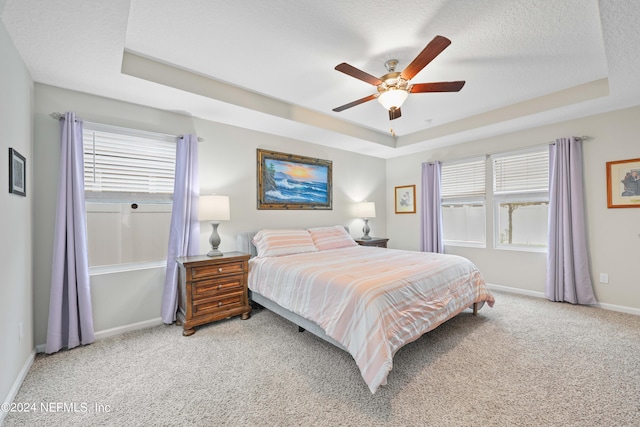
16	281
613	234
227	166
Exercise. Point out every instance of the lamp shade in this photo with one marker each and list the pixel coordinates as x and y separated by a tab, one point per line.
366	210
214	208
392	98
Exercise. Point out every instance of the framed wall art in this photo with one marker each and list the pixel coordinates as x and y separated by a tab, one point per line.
17	173
288	181
405	197
623	184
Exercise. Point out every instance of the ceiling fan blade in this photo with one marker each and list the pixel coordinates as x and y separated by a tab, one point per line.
358	74
433	49
354	103
437	87
394	113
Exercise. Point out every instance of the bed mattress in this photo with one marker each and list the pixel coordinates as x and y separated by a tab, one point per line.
370	300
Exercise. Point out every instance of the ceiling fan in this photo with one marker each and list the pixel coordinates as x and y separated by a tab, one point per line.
394	87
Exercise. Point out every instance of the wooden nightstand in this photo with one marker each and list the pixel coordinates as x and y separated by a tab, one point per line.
212	288
380	242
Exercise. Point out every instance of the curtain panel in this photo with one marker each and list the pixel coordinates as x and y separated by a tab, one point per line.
184	234
431	212
70	314
568	271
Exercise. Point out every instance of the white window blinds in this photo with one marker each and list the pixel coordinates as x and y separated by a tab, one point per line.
463	179
126	165
521	172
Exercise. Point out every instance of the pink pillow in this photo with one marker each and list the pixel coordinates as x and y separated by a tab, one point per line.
331	237
283	242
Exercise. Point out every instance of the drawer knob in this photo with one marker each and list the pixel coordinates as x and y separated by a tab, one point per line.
219	287
219	303
220	270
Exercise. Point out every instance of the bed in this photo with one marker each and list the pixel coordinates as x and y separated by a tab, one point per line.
368	301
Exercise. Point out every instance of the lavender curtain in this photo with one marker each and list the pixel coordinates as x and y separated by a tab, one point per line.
70	315
185	229
568	273
431	212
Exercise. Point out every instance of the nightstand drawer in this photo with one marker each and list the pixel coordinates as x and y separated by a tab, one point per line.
217	303
204	288
214	270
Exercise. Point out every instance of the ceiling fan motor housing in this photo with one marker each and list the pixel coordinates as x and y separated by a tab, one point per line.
393	81
393	90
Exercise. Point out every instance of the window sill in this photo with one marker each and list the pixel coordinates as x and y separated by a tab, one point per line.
120	268
480	245
521	249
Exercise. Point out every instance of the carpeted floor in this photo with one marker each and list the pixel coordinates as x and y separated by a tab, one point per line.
524	362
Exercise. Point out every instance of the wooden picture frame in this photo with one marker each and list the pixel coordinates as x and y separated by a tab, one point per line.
17	173
623	184
405	199
289	181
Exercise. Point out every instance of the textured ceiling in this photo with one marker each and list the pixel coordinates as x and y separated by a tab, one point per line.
269	65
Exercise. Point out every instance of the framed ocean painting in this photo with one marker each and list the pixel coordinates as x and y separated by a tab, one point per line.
288	181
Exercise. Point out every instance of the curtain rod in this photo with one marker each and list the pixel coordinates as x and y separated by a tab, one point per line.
581	138
58	116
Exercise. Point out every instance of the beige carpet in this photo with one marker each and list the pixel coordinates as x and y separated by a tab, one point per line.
525	362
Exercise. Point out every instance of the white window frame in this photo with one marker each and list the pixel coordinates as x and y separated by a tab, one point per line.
468	243
516	196
106	199
140	187
476	197
124	212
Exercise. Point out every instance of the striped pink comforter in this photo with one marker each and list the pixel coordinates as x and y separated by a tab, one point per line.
371	300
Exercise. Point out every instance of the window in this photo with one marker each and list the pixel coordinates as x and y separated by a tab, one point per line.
521	199
127	233
463	202
128	178
129	166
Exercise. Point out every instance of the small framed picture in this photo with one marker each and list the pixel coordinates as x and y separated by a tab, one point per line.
17	173
623	184
405	199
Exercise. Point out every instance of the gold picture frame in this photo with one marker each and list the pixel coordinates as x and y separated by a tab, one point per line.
623	184
289	181
405	199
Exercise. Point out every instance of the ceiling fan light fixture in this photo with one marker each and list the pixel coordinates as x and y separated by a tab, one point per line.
394	87
392	98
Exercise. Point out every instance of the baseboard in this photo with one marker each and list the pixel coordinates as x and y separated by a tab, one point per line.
40	348
620	308
128	328
516	290
18	383
604	306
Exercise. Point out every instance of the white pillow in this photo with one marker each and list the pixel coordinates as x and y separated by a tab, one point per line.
283	242
331	237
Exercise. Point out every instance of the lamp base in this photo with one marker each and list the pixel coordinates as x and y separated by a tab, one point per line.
214	240
214	252
366	230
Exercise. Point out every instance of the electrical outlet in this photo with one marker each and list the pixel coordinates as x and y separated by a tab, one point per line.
604	278
20	332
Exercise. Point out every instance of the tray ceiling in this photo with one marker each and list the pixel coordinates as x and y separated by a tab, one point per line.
269	66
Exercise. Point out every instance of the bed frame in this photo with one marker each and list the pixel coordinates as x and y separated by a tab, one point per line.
244	244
